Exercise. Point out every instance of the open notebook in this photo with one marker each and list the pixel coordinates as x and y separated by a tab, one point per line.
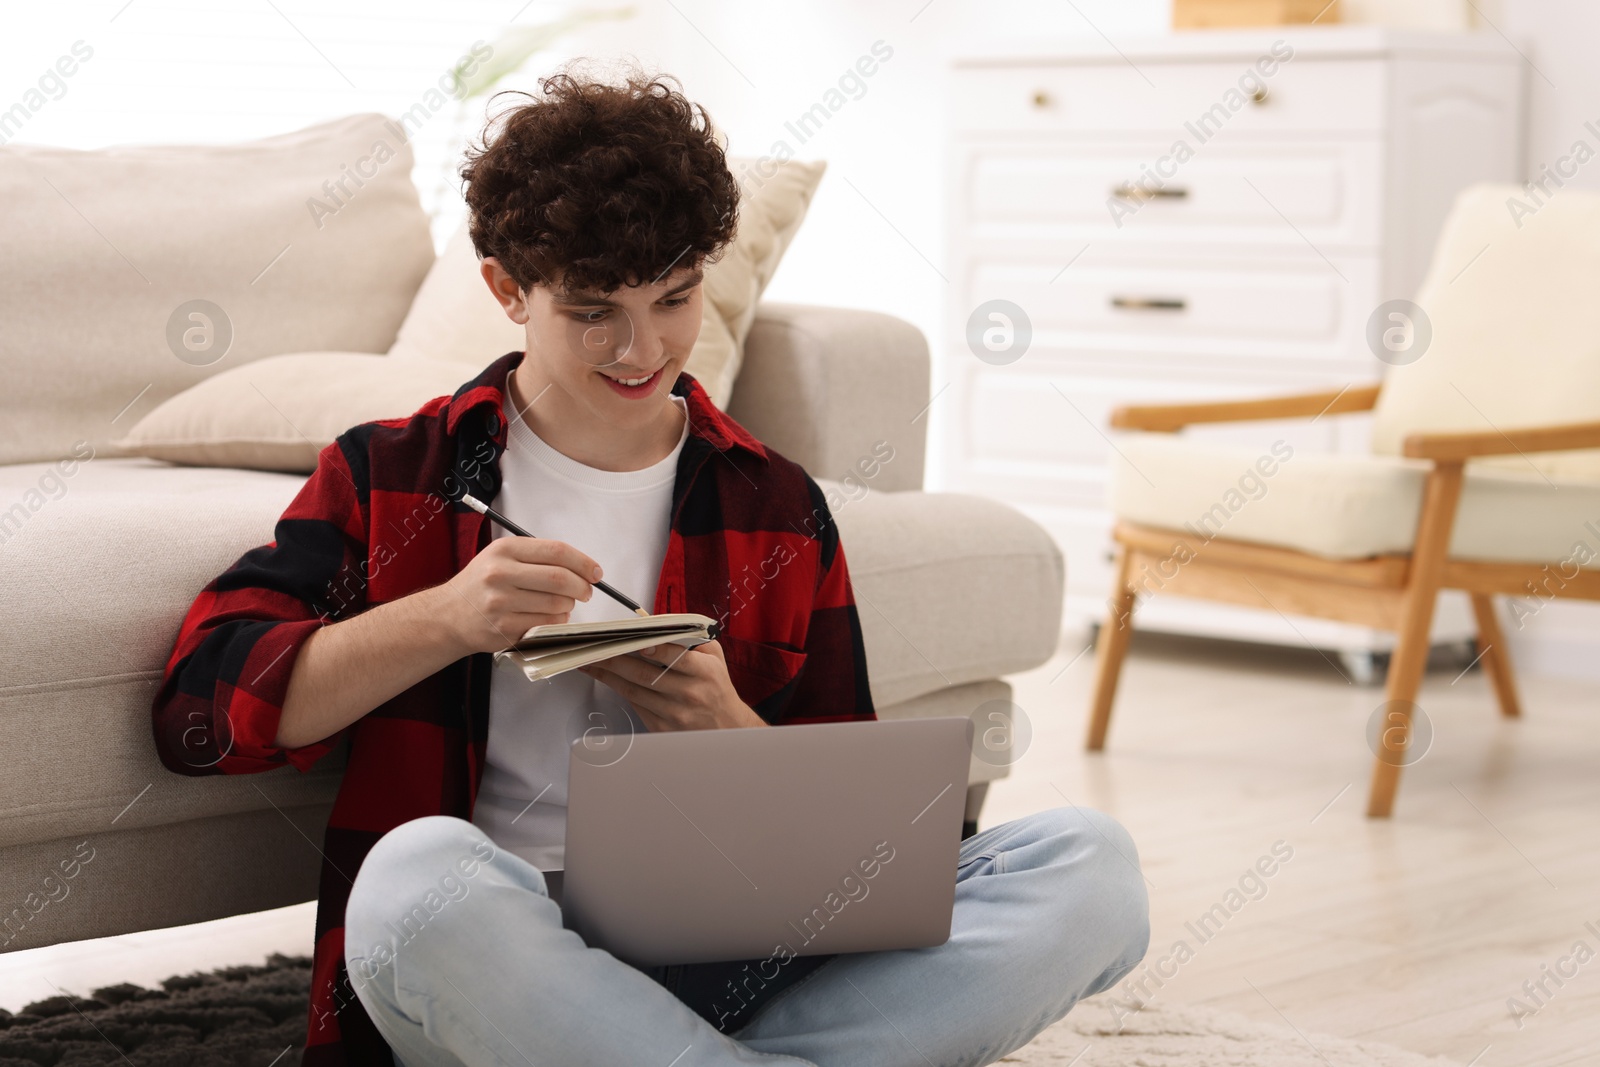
546	651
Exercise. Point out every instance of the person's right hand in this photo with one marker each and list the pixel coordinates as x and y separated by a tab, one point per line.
514	584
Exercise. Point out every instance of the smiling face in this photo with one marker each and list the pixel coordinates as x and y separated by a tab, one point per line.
599	369
575	197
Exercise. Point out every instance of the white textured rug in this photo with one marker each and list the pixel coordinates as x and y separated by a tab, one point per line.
1181	1036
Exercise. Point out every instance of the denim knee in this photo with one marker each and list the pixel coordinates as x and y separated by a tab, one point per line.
1103	862
412	881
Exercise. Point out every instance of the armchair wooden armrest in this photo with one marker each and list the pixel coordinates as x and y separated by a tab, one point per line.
1166	418
1463	446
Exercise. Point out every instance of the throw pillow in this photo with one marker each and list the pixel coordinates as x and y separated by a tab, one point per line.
194	253
277	413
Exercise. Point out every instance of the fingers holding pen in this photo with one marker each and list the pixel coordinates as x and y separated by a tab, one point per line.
512	585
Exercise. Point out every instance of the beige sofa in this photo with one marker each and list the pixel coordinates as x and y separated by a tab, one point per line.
100	555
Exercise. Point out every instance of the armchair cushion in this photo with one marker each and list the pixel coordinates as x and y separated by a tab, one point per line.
1347	506
1510	297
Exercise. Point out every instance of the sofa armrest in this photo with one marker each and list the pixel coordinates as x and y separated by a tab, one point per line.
825	385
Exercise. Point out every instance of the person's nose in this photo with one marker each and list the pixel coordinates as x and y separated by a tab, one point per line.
647	348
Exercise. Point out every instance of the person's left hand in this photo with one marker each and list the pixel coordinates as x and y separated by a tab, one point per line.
676	688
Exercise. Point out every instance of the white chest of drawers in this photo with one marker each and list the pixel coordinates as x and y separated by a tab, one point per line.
1197	216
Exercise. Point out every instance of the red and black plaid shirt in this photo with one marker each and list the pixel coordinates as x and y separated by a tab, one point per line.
752	544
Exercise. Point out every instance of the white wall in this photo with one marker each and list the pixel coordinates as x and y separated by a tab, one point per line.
165	70
1559	37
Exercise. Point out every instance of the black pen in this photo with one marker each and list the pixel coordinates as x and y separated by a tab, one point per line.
484	509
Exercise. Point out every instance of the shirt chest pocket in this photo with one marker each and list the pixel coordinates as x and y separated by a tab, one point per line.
759	670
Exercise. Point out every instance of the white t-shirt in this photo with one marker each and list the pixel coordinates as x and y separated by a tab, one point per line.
620	519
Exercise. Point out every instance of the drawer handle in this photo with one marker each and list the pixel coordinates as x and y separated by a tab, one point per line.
1129	191
1260	96
1149	303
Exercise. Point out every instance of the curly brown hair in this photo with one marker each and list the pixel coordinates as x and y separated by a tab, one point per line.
593	186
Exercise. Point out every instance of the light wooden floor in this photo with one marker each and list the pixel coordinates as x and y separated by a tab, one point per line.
1414	931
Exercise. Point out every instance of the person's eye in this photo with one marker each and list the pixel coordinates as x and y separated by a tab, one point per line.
675	301
596	315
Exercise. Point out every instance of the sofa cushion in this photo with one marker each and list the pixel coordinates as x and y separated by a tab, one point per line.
950	588
102	558
456	317
313	240
1510	297
277	413
1345	506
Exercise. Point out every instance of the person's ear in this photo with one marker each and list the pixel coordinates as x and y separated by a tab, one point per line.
505	289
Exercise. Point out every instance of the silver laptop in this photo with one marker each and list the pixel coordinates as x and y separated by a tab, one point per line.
705	845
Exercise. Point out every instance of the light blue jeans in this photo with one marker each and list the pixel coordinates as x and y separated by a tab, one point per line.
476	969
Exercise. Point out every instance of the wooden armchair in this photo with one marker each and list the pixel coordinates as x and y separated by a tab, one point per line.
1490	530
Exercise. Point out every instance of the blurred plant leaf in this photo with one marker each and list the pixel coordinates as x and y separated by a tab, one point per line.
517	44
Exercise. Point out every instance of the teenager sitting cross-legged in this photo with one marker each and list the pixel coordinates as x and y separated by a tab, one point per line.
373	614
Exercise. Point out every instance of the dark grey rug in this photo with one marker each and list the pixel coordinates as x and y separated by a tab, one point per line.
233	1017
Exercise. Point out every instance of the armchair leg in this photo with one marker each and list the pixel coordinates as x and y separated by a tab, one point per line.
1496	656
1434	524
1405	679
1110	648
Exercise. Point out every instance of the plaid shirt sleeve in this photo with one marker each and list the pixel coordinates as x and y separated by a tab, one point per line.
223	688
833	685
